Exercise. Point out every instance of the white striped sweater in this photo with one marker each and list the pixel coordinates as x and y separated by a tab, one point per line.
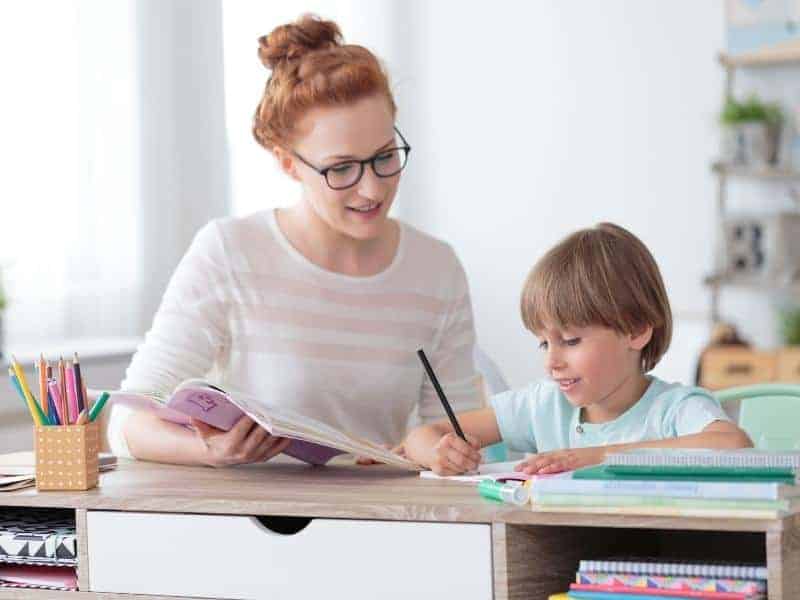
245	309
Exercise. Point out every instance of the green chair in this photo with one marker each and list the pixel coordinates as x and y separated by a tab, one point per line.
768	412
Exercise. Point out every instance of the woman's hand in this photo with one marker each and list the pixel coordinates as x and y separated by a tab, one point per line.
451	455
246	442
561	460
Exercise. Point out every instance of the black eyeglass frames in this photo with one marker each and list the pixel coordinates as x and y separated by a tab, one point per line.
345	174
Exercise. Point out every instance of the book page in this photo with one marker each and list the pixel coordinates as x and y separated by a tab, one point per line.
286	423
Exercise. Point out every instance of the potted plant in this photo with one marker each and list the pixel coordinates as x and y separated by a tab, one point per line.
790	326
751	131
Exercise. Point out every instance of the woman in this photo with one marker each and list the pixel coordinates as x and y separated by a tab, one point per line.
319	307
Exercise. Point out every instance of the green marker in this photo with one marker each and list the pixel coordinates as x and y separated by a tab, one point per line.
504	492
98	406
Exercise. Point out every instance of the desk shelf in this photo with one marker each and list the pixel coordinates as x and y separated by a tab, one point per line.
532	554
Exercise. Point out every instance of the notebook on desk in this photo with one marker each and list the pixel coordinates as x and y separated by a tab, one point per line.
499	471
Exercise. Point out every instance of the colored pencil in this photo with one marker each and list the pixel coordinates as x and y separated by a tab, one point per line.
440	393
15	383
55	394
98	406
53	411
78	383
83	418
41	369
36	411
62	382
72	398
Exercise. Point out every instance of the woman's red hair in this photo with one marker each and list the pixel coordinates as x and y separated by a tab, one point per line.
311	67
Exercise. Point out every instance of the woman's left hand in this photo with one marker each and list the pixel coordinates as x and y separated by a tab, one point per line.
365	461
556	461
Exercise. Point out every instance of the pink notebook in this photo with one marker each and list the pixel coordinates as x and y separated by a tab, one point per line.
212	406
16	575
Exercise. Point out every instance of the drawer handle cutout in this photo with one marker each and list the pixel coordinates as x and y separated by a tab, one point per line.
739	369
284	525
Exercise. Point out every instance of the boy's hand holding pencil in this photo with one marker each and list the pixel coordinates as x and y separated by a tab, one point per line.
453	455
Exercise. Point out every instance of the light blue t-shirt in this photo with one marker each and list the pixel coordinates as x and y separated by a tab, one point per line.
539	418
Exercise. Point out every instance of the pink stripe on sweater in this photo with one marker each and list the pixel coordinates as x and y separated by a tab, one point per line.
337	352
362	299
313	320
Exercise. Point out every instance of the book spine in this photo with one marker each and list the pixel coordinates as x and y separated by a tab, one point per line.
620	589
615	500
764	474
675	488
664	511
675	569
703	584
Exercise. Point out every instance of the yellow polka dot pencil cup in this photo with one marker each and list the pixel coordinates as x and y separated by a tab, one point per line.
67	456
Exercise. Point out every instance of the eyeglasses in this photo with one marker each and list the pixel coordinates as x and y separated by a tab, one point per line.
386	163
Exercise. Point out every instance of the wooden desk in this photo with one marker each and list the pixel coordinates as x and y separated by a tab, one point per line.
530	554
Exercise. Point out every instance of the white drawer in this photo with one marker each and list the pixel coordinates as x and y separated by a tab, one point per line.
237	557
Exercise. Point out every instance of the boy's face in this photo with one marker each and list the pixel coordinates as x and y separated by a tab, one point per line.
595	366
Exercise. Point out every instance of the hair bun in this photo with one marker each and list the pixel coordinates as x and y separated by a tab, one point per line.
293	40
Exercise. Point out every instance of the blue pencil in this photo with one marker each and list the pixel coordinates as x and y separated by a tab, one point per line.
51	407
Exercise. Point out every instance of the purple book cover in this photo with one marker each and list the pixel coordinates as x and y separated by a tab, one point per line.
212	406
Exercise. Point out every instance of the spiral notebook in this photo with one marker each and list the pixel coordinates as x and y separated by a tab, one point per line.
701	457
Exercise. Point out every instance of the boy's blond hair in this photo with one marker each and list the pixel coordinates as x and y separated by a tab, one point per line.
600	276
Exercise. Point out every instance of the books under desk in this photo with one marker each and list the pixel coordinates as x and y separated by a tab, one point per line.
38	548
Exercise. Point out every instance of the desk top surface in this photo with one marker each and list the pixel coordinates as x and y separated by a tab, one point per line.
335	491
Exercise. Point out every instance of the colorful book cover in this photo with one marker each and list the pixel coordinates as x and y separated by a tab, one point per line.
700	584
672	568
583	595
38	536
658	474
653	593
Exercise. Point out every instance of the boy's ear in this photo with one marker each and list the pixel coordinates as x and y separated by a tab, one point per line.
639	340
286	162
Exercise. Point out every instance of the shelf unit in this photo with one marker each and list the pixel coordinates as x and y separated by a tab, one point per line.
785	55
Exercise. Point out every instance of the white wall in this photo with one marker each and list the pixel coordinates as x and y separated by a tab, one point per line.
183	155
529	120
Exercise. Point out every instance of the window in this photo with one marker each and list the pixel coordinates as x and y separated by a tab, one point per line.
69	236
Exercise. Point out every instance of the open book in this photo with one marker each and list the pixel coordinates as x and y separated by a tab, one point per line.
313	442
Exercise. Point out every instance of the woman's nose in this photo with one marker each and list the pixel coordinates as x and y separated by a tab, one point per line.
371	186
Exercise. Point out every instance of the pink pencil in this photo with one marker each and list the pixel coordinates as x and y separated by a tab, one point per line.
72	397
52	385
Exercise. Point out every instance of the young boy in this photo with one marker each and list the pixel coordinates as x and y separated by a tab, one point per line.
598	306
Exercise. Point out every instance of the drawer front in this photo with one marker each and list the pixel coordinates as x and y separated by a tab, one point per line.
237	557
789	365
728	367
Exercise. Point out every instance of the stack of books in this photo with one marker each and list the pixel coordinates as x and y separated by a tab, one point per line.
628	579
38	549
749	484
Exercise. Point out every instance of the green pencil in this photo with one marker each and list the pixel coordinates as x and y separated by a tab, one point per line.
98	406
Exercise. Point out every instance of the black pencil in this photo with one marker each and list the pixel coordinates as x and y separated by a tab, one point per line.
78	384
440	392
